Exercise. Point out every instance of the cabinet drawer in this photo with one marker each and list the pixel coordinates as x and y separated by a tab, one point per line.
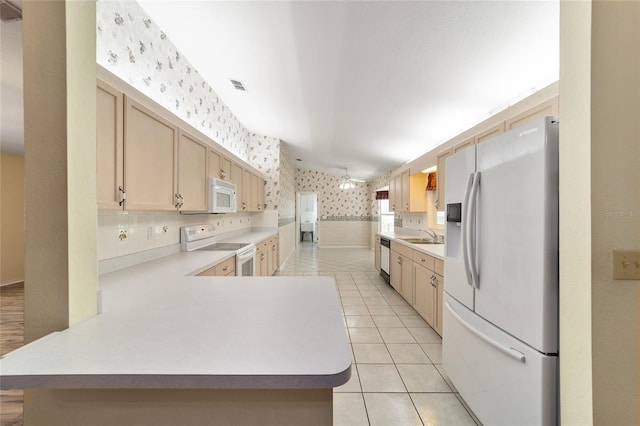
424	260
402	249
439	266
228	267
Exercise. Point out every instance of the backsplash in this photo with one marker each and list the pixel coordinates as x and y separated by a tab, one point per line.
131	46
146	231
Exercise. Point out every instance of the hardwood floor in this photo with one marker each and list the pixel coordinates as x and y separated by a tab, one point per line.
11	337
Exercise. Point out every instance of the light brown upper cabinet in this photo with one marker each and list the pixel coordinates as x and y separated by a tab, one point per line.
254	206
150	151
109	147
236	179
225	168
214	161
245	193
440	160
464	144
192	173
489	133
549	107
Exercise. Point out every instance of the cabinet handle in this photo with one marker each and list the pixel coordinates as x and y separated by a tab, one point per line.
122	195
244	206
434	280
423	260
399	260
179	201
225	269
222	174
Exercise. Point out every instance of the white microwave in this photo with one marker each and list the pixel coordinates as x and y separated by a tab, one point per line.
222	196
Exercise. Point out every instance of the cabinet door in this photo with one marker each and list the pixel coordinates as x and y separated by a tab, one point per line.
150	150
395	264
236	179
269	250
393	195
214	159
464	144
246	191
417	189
276	254
489	133
192	173
260	196
406	287
439	290
376	251
255	192
404	185
109	146
425	300
549	107
225	168
440	202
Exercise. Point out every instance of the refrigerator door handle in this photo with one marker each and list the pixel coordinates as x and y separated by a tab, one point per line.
471	232
513	353
465	229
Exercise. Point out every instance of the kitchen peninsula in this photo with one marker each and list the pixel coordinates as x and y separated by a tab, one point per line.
173	348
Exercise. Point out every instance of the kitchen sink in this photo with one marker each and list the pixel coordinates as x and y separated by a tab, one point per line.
420	241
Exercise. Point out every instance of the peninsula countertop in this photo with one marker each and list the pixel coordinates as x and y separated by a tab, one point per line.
162	327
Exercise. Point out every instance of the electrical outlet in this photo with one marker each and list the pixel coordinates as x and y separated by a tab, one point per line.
626	264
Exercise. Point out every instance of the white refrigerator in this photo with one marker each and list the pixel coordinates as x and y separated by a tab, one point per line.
500	327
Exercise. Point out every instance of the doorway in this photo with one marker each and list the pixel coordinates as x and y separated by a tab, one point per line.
307	217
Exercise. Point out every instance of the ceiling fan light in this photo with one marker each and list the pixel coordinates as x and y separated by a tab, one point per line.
346	185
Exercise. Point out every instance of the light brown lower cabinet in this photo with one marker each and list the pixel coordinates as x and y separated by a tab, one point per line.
376	251
419	278
222	269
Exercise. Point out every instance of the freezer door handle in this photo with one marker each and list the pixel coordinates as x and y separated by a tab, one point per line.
465	229
471	232
515	354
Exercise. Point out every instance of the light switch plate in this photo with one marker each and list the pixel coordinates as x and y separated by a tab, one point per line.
626	264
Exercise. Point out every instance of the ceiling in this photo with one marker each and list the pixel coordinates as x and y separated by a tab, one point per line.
366	85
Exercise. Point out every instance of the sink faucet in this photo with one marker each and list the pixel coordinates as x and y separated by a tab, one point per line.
431	233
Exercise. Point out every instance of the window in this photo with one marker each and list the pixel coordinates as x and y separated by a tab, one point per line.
386	217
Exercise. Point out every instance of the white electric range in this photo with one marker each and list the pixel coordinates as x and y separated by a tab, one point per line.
202	237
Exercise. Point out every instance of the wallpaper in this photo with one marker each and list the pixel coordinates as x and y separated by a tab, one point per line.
287	205
264	155
333	202
131	46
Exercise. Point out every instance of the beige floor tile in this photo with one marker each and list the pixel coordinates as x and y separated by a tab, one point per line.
441	409
446	378
422	378
355	310
349	293
396	335
369	292
387	321
380	378
365	335
395	299
391	410
352	301
425	335
404	310
349	410
375	301
371	353
381	310
353	385
413	321
407	353
433	351
360	321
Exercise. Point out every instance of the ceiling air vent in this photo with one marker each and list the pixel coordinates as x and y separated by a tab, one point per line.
9	12
238	85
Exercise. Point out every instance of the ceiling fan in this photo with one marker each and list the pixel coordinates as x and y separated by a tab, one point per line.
347	181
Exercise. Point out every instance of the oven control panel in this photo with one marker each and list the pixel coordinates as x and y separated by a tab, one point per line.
197	232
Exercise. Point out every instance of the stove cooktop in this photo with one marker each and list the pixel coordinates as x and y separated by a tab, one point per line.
224	246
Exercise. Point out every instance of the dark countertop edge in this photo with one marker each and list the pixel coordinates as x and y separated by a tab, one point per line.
175	381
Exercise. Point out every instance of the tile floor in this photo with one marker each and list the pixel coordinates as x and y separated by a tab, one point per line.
397	376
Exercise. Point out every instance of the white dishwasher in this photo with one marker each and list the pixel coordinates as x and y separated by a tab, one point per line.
385	252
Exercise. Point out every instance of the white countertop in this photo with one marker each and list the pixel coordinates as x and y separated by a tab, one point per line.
435	250
161	327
